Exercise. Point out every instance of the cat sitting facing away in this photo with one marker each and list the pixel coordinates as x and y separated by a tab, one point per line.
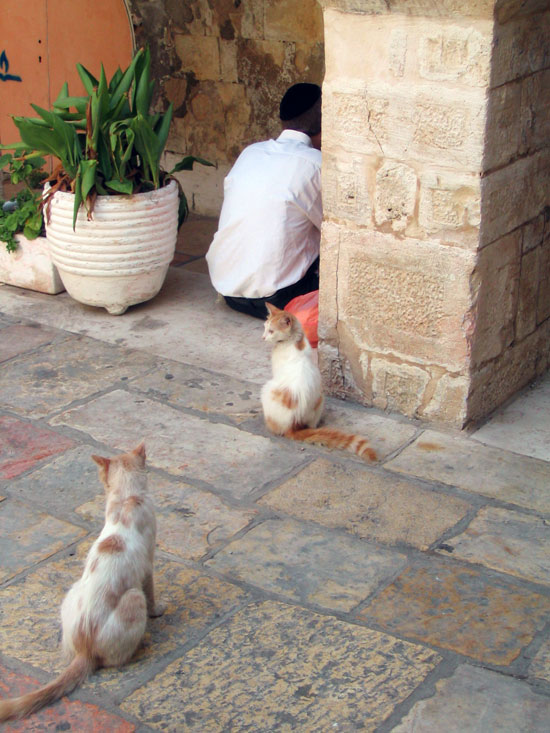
104	614
292	400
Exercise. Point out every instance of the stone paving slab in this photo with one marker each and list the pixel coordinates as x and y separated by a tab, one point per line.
308	564
275	667
31	626
199	389
192	387
457	608
56	375
185	322
23	445
507	541
479	700
523	426
540	666
190	522
28	536
194	602
19	338
65	715
371	504
63	484
230	459
29	608
5	320
212	662
385	434
459	461
210	522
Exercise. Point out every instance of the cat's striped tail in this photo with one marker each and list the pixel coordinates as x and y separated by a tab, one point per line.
74	675
332	438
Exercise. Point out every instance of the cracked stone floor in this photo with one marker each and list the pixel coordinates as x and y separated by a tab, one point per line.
305	589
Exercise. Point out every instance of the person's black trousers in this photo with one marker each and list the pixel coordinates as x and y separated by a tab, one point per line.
256	306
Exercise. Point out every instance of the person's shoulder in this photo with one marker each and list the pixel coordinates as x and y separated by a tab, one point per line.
297	149
308	155
253	150
256	146
313	154
298	144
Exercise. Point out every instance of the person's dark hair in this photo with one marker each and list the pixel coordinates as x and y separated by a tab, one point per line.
308	122
300	108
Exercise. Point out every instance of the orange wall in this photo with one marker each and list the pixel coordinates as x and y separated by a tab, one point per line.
43	40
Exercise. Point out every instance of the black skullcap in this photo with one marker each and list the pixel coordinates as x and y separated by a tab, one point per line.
298	99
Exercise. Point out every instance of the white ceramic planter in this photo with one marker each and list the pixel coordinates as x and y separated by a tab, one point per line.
121	256
30	266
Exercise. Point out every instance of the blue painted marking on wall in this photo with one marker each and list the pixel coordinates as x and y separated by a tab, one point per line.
5	67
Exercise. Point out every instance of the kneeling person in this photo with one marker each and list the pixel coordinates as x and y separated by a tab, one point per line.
267	244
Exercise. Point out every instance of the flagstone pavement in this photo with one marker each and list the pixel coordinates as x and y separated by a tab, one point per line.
305	590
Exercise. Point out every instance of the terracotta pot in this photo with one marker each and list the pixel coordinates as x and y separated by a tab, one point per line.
121	256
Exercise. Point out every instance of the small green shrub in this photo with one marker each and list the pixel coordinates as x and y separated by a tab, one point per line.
24	214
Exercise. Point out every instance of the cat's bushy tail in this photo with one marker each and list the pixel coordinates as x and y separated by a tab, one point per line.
74	675
332	438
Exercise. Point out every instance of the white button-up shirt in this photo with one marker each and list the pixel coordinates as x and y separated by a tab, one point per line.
269	229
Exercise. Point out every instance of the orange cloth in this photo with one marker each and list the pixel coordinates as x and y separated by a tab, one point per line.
306	309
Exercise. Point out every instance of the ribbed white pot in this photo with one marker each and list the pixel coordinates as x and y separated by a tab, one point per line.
121	256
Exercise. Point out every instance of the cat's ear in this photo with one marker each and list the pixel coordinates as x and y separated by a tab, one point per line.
272	309
139	451
103	464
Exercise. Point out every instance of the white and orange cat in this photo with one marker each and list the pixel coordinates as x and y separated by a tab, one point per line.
292	400
104	614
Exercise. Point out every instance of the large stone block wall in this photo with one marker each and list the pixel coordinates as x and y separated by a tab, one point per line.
225	65
513	309
436	165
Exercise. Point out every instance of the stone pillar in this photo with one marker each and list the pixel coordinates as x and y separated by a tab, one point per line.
435	289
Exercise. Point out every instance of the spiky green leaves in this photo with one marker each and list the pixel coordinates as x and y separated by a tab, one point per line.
107	141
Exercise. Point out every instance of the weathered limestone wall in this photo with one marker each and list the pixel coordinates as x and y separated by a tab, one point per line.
225	65
512	338
436	167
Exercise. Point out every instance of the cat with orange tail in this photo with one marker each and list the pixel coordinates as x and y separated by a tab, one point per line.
104	614
292	401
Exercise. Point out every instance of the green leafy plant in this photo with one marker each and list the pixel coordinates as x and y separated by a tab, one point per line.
23	213
107	142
